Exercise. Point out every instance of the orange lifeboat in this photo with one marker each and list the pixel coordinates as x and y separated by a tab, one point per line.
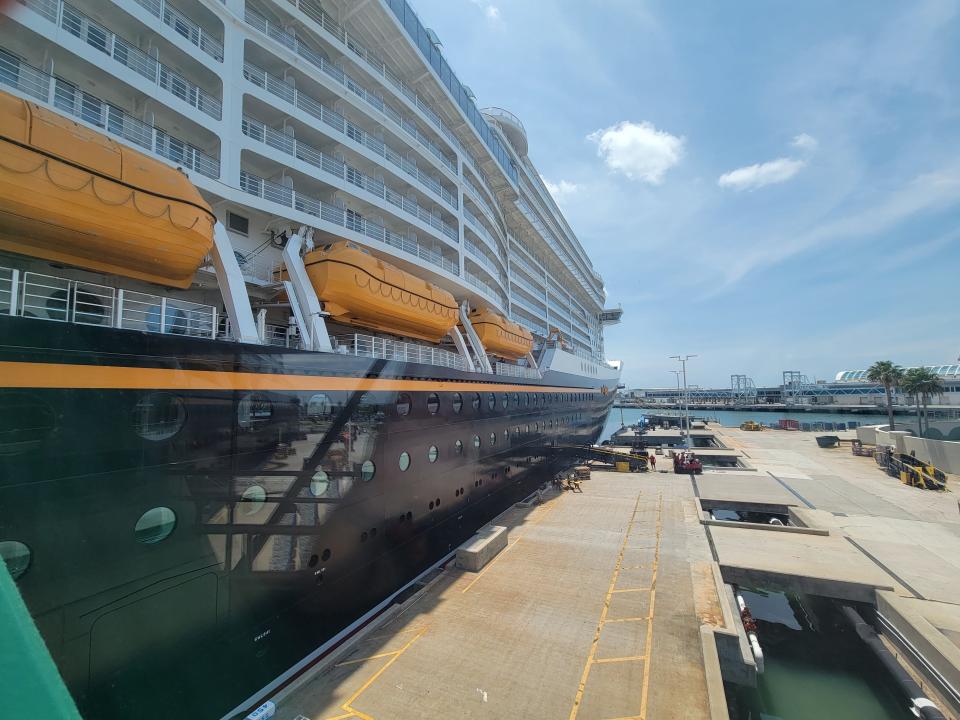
72	195
500	336
359	289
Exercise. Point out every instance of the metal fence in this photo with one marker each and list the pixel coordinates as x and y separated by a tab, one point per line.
375	347
521	371
60	299
184	26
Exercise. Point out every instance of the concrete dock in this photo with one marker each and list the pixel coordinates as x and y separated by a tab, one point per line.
612	603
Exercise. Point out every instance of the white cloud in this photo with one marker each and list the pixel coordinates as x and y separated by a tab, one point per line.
491	11
560	190
752	177
805	142
638	150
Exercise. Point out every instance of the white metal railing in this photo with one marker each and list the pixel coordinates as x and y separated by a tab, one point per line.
521	371
293	43
485	287
274	192
51	297
158	314
256	130
184	26
100	38
517	299
480	229
282	89
480	197
375	347
478	255
69	99
281	336
535	292
529	324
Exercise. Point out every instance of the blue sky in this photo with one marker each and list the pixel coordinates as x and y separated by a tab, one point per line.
769	185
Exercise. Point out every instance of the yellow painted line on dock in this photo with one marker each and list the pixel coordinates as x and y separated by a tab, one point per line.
630	658
591	656
364	659
629	619
645	589
653	601
533	522
352	711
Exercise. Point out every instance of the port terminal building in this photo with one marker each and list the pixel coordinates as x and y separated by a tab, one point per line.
848	388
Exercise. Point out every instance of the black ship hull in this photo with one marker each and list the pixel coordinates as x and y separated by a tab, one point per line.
201	515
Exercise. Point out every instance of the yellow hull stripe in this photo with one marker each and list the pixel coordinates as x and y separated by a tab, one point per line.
98	377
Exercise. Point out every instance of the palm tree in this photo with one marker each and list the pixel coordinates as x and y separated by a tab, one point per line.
889	375
927	384
913	379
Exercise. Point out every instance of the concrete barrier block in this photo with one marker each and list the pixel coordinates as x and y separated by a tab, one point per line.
482	548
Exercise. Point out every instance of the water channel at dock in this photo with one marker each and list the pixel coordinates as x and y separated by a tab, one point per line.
733	418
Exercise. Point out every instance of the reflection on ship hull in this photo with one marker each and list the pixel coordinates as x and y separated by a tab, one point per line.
201	515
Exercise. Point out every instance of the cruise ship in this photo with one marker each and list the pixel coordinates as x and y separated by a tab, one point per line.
285	317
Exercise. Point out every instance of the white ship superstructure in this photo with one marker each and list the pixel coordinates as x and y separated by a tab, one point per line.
338	116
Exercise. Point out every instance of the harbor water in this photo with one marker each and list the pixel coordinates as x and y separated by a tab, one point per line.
816	667
733	418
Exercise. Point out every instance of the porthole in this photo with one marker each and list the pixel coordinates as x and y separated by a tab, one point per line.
433	403
253	499
403	404
516	399
526	399
319	406
367	470
154	525
526	428
536	427
363	536
325	555
319	483
17	557
516	431
431	505
409	516
312	562
476	441
493	438
159	416
504	401
373	532
457	403
254	409
506	435
433	453
491	401
437	502
458	447
476	401
404	461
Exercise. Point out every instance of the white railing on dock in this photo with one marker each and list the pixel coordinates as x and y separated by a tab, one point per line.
375	347
50	297
521	371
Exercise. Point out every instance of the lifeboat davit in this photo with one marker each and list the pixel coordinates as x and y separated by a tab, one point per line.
500	336
359	289
72	195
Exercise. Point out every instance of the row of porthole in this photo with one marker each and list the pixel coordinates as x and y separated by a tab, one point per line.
405	402
155	525
433	453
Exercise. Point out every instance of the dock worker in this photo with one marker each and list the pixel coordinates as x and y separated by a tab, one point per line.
653	461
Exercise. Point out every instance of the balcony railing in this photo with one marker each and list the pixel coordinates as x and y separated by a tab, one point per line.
70	100
293	43
529	324
479	197
516	299
479	228
256	130
484	287
184	26
517	279
274	192
521	371
478	255
280	88
375	347
100	38
50	297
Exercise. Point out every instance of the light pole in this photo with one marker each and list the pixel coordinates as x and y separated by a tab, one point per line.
683	365
679	398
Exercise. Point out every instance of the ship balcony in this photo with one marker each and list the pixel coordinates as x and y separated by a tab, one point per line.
476	254
360	140
63	299
517	300
68	99
355	91
327	169
480	230
481	200
83	36
486	290
186	20
529	319
611	316
336	219
511	126
520	281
